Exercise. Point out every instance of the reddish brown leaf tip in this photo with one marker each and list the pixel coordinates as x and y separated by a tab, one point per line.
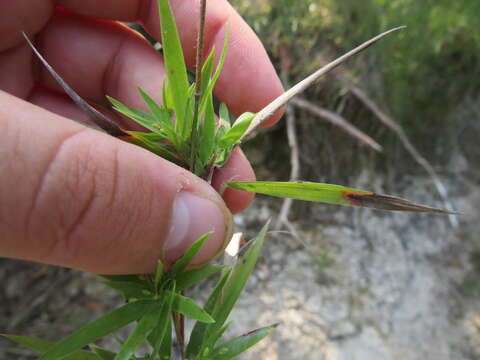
355	199
392	203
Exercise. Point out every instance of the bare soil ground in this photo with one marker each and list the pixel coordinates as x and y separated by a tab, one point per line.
356	284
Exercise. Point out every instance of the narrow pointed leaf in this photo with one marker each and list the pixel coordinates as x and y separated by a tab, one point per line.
210	343
140	333
214	79
159	271
167	96
197	336
101	327
94	115
141	117
161	115
207	133
233	135
174	61
129	289
222	299
207	69
332	194
189	278
187	307
237	280
160	149
153	137
182	263
104	354
131	278
224	115
160	338
165	348
43	346
238	345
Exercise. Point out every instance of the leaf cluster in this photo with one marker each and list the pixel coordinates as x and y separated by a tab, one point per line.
153	301
174	133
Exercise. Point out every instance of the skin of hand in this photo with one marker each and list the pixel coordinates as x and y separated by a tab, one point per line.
75	197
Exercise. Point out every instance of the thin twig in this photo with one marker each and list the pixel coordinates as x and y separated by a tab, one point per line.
198	81
280	101
294	150
95	116
337	120
393	125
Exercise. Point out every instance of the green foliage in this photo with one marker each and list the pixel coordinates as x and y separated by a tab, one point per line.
157	302
238	345
151	300
222	299
44	346
332	194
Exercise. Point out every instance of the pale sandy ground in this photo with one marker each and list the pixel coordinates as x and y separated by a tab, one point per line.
360	285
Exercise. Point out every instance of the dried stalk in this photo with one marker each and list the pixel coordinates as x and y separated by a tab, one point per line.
95	116
339	121
280	101
294	148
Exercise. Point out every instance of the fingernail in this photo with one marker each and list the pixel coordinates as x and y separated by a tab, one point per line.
192	217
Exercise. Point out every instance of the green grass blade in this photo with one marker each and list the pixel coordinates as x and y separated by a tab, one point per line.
161	115
224	297
167	96
209	343
130	278
189	278
101	327
233	135
236	281
139	334
189	111
197	336
159	271
207	69
207	134
165	348
223	56
153	137
182	263
161	337
224	115
187	307
174	61
43	346
161	150
238	345
333	194
129	289
104	354
141	117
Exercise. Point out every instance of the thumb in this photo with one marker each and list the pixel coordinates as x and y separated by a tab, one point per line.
75	197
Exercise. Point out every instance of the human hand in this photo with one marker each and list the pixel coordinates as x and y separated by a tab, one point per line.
75	197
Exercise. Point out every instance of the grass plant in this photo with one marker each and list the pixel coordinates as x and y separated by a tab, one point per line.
184	129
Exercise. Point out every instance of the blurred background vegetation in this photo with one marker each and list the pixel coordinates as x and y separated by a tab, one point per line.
424	77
